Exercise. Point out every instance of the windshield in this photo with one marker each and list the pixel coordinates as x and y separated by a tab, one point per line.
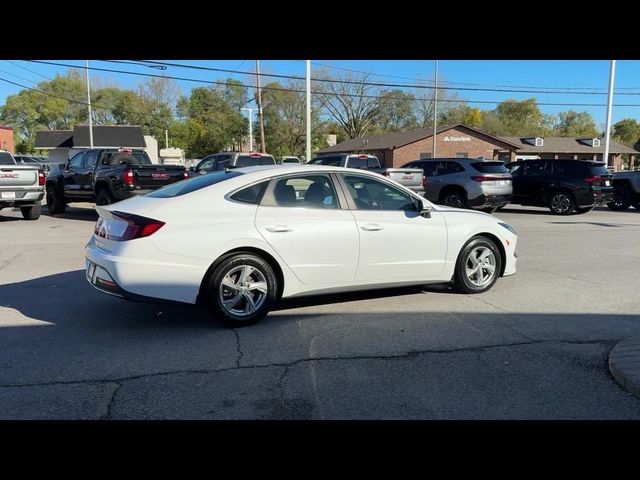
187	186
6	159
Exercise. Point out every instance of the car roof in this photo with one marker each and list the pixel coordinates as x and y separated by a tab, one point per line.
282	169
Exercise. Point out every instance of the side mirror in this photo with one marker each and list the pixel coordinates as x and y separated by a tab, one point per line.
192	169
424	209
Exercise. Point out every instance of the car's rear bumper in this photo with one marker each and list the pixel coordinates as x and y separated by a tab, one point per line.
489	200
21	197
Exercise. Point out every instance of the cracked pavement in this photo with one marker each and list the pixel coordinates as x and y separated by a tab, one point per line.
533	347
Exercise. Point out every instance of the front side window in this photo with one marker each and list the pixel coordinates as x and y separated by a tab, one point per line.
76	162
371	194
223	162
206	165
90	159
535	169
309	191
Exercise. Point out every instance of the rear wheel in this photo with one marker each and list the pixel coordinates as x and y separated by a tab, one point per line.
242	290
55	201
562	203
454	198
583	210
103	197
31	213
621	201
478	266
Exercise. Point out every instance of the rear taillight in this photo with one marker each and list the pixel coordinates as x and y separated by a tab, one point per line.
488	179
386	174
136	227
41	178
127	178
185	174
424	181
593	179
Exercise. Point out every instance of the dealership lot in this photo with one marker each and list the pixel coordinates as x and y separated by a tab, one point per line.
535	346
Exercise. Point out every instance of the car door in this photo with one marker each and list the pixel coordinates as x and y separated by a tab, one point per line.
396	242
84	175
535	182
304	221
72	176
434	184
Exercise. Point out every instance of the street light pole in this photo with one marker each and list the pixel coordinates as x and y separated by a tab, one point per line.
612	74
86	65
435	111
262	147
308	110
250	127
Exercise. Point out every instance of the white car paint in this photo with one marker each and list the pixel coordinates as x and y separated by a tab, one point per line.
318	250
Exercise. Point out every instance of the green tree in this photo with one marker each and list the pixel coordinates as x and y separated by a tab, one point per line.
520	117
396	112
576	124
627	131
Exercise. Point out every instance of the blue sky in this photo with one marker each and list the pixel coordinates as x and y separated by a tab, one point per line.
538	74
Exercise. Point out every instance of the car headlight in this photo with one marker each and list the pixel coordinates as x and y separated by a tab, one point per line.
508	227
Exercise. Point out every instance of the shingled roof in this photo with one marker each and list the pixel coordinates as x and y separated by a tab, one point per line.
395	140
103	136
568	145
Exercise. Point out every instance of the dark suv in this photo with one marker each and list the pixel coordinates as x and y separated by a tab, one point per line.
563	186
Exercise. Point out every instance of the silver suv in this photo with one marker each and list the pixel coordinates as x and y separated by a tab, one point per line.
224	160
466	182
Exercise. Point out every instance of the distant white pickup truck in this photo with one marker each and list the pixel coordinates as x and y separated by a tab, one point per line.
21	186
412	178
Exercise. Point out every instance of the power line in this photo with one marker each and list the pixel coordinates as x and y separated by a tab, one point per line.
565	90
28	70
18	76
408	97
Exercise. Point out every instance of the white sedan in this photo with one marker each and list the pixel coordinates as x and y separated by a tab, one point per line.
237	241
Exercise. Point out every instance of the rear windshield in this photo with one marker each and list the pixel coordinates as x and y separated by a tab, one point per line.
114	157
250	161
187	186
327	161
6	159
598	170
490	167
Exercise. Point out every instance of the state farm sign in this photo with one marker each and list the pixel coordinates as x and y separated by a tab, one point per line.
457	139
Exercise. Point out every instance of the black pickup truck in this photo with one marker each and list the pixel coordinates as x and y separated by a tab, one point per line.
106	176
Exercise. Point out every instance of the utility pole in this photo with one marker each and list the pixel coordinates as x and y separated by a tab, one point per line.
166	138
262	147
435	111
86	69
612	74
308	110
251	110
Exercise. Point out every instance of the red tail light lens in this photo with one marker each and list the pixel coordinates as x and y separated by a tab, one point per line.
489	179
424	181
185	174
592	179
41	177
127	178
137	227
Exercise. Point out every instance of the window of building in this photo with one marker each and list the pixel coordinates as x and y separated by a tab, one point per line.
424	155
462	155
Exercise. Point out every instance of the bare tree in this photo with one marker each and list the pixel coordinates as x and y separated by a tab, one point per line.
448	103
354	106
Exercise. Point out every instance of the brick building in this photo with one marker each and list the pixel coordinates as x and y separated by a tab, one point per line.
396	149
6	139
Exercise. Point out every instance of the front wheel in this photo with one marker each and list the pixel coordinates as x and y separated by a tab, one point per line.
454	198
103	197
242	290
562	203
478	266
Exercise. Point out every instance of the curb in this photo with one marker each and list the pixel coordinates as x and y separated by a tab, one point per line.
624	364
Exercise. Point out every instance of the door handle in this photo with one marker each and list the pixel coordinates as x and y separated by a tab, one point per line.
372	227
279	228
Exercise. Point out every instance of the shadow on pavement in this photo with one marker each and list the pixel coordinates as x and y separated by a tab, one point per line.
71	213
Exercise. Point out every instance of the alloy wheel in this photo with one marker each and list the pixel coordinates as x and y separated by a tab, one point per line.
560	203
243	290
480	266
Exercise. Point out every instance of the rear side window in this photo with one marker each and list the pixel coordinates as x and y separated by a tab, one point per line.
252	194
453	167
572	168
6	159
187	186
490	167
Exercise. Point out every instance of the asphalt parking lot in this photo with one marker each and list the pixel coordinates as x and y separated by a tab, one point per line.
534	347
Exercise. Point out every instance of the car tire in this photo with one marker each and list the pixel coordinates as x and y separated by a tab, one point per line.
580	211
103	197
636	204
471	276
562	202
240	304
31	213
55	202
454	198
